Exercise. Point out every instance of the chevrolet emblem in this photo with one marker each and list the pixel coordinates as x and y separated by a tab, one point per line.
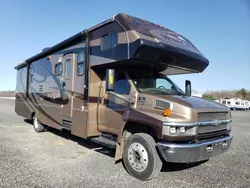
216	122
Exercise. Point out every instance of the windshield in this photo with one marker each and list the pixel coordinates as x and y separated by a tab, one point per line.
154	83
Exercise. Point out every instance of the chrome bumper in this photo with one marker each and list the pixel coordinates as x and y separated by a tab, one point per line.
185	153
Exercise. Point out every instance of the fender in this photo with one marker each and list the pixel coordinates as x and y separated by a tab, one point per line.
134	116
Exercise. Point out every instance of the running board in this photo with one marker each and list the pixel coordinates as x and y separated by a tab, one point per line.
105	140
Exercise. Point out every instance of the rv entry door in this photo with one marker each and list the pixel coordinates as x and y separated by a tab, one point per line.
68	78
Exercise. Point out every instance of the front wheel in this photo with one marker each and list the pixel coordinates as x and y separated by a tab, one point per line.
38	127
140	157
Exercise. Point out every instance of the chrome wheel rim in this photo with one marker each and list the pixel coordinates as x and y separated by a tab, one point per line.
35	123
138	157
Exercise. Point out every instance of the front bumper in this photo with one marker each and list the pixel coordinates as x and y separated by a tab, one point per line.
186	153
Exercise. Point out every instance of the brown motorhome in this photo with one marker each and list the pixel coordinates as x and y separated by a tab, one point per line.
110	84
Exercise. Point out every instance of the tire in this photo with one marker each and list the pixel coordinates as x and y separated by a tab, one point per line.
140	157
38	127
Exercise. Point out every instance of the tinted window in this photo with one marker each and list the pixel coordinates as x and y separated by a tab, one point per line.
105	42
58	69
109	40
31	74
68	68
31	78
80	68
122	85
113	39
31	70
21	79
80	63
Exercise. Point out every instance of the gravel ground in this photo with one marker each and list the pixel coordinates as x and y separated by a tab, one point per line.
55	159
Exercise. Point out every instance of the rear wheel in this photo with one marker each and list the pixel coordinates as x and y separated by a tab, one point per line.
140	157
38	127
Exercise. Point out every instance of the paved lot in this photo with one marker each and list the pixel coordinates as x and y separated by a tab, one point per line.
54	159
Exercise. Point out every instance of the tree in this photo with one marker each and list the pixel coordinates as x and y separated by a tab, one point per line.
207	96
243	93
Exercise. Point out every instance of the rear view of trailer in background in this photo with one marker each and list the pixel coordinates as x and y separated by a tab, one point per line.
110	84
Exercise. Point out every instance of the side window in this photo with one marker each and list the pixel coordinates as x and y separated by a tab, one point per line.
113	39
31	74
110	40
21	80
122	85
105	42
31	78
80	63
67	69
58	69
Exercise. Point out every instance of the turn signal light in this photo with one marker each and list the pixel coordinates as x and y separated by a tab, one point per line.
167	112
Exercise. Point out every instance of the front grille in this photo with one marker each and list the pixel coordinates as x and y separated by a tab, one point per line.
213	135
211	128
208	116
203	117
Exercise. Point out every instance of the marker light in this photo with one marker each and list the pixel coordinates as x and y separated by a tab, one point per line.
167	112
182	130
172	130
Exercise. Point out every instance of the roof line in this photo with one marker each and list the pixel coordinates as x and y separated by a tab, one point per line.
65	43
77	37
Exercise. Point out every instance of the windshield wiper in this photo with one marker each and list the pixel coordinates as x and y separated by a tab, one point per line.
179	93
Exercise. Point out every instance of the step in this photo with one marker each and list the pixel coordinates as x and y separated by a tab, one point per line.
104	140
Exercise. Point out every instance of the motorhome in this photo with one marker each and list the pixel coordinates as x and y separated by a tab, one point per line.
247	104
235	103
110	84
230	103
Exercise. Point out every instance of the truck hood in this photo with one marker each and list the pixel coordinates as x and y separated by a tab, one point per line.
197	103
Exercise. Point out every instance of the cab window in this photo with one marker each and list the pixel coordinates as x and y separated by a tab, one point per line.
122	85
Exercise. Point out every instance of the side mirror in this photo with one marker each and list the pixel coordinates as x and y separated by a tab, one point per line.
110	80
188	88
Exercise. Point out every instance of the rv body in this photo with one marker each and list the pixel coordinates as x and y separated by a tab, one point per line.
110	84
235	103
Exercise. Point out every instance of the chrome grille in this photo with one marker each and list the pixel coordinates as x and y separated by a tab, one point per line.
203	117
211	116
211	128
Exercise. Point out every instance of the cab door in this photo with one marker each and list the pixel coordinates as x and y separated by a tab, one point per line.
111	112
67	80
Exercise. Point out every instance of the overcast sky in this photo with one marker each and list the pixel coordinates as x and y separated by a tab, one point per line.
219	29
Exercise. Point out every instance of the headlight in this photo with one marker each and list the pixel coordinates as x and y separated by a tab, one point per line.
176	130
172	130
182	130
